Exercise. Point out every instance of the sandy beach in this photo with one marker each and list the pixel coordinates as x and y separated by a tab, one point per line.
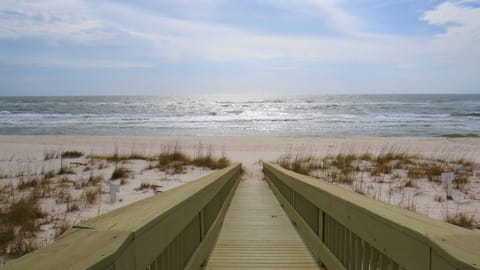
25	156
245	149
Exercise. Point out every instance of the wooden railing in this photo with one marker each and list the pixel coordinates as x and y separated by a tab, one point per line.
173	230
346	230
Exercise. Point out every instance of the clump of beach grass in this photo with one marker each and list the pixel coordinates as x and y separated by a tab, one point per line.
7	234
94	179
72	206
49	174
415	172
120	173
21	245
24	213
145	185
19	223
71	154
50	156
62	227
461	219
118	158
175	161
66	170
302	164
63	196
28	183
91	195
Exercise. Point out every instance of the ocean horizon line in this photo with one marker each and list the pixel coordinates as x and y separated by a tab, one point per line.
246	95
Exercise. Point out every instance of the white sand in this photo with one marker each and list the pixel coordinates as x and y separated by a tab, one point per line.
26	154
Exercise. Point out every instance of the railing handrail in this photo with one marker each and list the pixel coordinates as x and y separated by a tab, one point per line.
122	238
457	246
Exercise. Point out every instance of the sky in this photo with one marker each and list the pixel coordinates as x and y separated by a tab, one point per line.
156	47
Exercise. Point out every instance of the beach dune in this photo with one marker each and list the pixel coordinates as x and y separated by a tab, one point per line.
27	155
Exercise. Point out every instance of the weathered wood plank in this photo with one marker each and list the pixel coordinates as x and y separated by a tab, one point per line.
318	247
258	234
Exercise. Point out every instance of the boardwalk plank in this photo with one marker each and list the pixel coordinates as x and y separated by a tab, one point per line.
257	234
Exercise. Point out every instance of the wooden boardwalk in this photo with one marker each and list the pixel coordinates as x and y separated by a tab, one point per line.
257	234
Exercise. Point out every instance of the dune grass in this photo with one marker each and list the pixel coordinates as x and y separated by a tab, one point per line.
62	227
172	159
175	161
120	173
382	175
29	183
71	154
92	195
66	170
24	213
145	185
50	156
344	166
19	222
61	175
461	219
303	164
118	157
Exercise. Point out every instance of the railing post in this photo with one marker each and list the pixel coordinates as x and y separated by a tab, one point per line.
293	199
321	220
202	225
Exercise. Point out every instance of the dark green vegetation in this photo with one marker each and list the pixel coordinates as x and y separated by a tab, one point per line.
459	135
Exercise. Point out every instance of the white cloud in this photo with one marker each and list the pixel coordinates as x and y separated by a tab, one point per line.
463	21
459	44
180	38
173	38
336	15
52	60
329	10
51	20
159	37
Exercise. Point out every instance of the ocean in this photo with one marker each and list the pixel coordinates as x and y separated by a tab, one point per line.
346	115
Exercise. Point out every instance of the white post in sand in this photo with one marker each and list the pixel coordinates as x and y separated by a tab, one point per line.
448	177
114	188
